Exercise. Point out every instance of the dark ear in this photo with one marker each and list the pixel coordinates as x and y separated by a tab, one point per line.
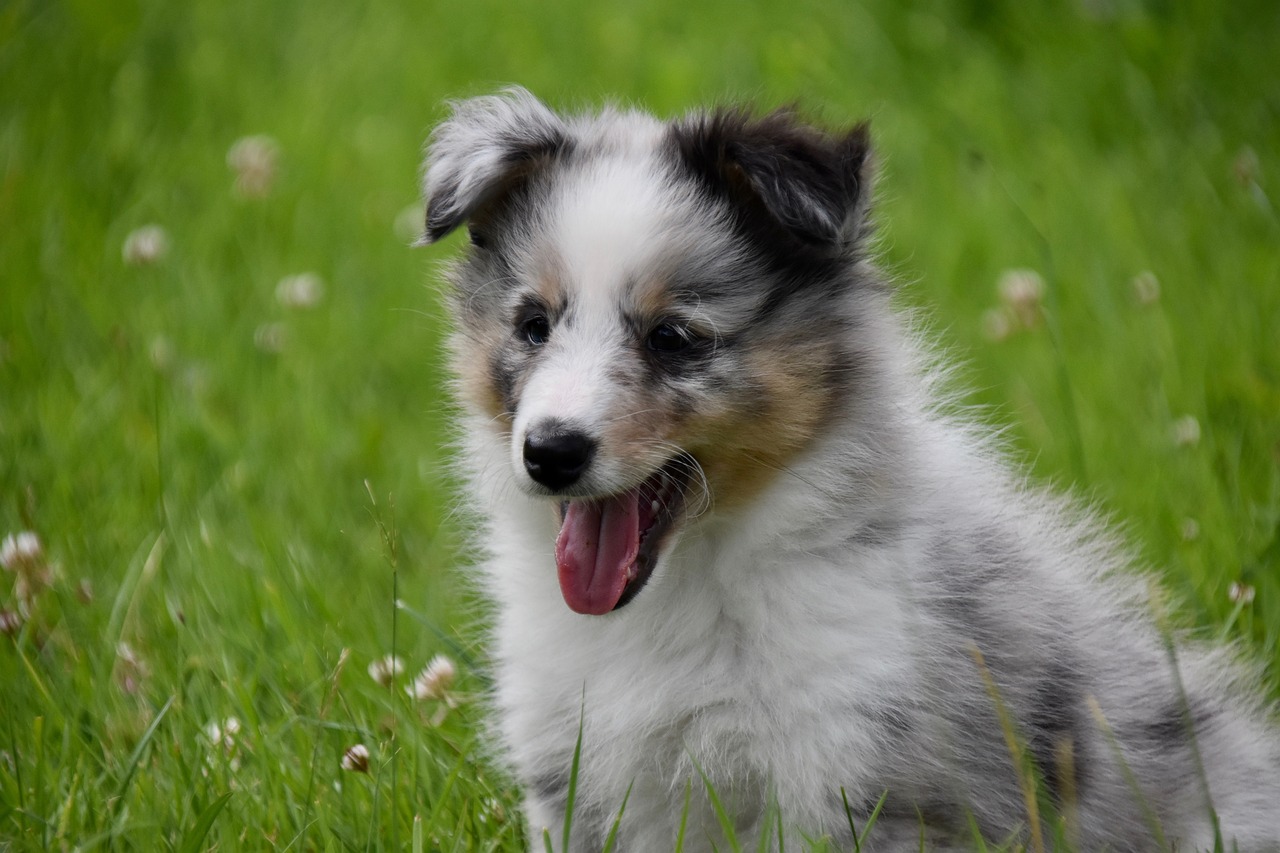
810	183
483	149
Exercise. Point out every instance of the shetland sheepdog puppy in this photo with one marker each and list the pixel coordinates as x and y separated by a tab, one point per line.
742	559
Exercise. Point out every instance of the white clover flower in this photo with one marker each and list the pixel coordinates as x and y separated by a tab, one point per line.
1186	431
21	552
1241	593
10	622
1021	291
161	353
222	739
386	669
270	338
303	290
145	245
356	759
1146	288
1246	166
253	160
126	654
409	224
223	734
434	681
131	670
996	324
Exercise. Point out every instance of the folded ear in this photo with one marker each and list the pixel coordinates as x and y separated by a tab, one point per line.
812	184
481	151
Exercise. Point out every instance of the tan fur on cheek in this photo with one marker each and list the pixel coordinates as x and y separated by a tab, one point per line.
644	437
475	383
745	447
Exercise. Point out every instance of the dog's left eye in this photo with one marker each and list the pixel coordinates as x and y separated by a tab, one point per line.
669	338
535	329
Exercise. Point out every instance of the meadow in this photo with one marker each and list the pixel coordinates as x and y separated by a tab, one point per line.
223	402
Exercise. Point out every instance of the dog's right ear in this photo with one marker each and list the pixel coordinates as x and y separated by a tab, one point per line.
484	149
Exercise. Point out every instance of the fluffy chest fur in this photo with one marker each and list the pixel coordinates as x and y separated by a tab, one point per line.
738	554
742	652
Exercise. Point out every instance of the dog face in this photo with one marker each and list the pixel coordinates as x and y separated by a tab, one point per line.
653	317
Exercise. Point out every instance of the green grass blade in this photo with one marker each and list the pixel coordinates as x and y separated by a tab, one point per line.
1188	719
1017	751
848	813
684	816
573	776
726	824
766	834
617	822
455	648
871	818
975	834
136	757
194	840
1131	779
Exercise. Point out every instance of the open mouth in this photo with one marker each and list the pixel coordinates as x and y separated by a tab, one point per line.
608	547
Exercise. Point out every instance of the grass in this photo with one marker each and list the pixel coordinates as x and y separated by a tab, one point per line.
193	453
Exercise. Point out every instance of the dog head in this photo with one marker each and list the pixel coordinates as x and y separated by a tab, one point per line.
654	317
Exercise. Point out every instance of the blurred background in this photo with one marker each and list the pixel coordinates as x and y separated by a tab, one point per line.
224	445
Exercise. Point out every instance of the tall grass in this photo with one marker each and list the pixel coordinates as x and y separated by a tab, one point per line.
190	439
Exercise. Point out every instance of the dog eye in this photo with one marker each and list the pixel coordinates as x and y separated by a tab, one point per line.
669	338
535	329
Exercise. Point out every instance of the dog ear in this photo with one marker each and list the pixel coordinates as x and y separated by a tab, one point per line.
481	151
811	183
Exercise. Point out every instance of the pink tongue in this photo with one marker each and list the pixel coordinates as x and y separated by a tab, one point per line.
596	550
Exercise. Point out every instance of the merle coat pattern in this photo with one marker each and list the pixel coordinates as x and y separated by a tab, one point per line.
729	526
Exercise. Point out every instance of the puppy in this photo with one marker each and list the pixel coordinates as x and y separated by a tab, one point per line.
740	556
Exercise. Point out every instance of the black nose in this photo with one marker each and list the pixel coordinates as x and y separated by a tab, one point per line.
556	455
